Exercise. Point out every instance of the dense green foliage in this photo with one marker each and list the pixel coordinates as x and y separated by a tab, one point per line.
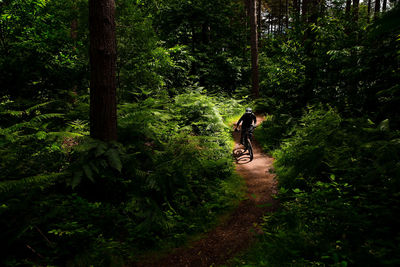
68	199
168	176
337	160
339	189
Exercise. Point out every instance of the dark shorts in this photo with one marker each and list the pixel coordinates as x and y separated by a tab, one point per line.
250	131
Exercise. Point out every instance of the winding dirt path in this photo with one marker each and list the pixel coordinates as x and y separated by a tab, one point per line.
238	231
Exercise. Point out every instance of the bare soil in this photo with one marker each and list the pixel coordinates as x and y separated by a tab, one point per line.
236	233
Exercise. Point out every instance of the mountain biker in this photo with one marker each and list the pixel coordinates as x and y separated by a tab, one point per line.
248	121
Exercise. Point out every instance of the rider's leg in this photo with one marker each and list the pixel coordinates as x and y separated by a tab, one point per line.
242	137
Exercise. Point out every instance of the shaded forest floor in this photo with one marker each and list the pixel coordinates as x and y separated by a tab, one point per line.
237	232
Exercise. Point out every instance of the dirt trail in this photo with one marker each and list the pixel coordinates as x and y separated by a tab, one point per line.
237	232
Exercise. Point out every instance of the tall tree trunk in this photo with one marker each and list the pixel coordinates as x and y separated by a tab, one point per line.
369	9
377	6
259	7
287	13
103	55
355	9
384	5
348	7
74	37
254	48
304	10
280	17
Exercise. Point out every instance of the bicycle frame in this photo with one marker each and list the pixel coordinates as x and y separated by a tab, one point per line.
247	141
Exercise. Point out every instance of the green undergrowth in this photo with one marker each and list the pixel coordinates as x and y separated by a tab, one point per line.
77	201
338	190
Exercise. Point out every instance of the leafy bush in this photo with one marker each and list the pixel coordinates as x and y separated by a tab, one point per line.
168	177
302	157
274	129
338	180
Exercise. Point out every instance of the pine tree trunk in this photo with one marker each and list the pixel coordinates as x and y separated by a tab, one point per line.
369	9
377	6
254	48
74	37
304	10
384	5
356	4
287	13
259	21
348	7
280	17
103	55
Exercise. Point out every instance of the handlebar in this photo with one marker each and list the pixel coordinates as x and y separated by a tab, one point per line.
237	127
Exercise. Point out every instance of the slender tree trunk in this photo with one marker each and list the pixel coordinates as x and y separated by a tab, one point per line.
356	4
348	7
246	16
205	33
304	10
254	48
384	5
74	31
103	55
259	11
280	17
194	37
369	9
287	13
74	37
377	6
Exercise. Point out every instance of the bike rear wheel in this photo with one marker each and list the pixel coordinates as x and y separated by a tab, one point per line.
249	148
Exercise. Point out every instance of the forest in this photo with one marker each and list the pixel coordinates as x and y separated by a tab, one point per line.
116	123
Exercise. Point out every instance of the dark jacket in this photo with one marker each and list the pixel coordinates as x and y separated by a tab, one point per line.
247	120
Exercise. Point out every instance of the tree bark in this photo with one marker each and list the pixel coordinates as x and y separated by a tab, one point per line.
377	6
287	13
254	48
103	55
356	4
280	17
348	7
304	10
259	7
369	9
384	5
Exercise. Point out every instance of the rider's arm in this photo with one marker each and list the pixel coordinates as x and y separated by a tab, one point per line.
239	121
254	120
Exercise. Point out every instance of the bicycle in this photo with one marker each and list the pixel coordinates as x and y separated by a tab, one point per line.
247	135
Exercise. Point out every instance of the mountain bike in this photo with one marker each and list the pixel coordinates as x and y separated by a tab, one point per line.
247	141
247	136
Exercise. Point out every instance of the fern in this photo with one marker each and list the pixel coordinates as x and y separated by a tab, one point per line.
37	107
48	116
43	181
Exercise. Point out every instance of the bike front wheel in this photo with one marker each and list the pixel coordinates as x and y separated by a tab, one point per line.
250	149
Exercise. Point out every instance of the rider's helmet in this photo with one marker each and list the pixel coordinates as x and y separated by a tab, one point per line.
248	110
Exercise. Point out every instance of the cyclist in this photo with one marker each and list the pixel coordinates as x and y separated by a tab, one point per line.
248	121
